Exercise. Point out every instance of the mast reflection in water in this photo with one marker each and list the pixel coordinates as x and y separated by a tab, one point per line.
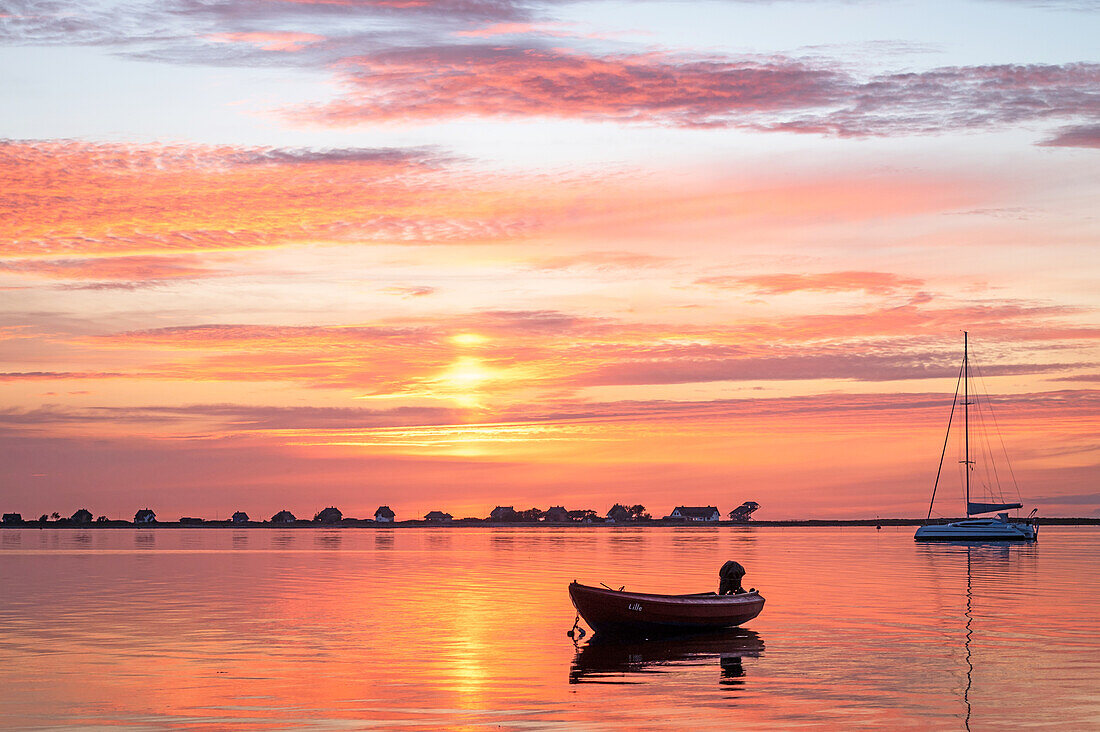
995	564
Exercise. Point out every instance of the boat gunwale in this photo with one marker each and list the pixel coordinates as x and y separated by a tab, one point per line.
693	599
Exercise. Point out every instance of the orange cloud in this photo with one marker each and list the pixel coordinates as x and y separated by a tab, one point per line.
11	332
80	199
62	202
799	456
487	361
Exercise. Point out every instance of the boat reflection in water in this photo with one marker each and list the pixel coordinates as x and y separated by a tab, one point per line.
613	659
992	569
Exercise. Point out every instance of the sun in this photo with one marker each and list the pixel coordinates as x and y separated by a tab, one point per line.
462	381
466	372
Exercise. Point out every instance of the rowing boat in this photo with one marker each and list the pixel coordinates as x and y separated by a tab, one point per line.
616	612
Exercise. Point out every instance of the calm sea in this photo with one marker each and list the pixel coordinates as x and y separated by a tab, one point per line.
466	629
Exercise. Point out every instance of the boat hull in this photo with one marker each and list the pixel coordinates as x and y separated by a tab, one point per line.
979	530
616	612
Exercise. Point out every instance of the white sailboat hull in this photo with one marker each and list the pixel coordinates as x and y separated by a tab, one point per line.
978	530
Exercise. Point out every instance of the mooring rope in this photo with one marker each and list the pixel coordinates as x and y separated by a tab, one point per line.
576	632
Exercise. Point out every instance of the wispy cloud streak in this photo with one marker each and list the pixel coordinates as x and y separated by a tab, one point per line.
851	409
1080	136
873	283
65	200
130	271
488	359
399	62
775	94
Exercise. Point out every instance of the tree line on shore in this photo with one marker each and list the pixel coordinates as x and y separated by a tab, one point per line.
618	513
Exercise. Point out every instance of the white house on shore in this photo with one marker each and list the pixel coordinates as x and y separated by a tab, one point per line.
384	515
696	513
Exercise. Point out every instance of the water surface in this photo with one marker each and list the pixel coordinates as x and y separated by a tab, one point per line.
466	628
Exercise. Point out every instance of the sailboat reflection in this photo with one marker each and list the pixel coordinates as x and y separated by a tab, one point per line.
985	561
611	660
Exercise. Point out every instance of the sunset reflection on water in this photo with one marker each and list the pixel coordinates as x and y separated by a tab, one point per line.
466	628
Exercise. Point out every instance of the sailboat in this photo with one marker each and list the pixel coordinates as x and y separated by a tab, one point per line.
998	528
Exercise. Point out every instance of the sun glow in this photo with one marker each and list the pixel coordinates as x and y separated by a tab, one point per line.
459	440
466	373
461	381
468	339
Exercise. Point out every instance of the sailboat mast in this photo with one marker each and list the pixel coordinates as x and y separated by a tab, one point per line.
966	414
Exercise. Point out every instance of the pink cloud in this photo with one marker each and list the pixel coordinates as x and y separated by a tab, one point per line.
59	375
69	200
64	204
785	451
1093	377
281	41
855	409
11	332
955	98
135	270
430	83
695	368
1082	136
442	7
502	29
451	81
520	351
412	291
873	283
435	81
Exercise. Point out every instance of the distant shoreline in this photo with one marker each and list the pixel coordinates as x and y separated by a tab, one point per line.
462	523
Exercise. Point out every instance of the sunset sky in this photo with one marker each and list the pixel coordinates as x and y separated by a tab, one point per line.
450	254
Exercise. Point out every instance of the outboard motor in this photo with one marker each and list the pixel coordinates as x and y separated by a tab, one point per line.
729	578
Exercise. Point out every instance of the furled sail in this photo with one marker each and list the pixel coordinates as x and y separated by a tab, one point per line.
972	508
